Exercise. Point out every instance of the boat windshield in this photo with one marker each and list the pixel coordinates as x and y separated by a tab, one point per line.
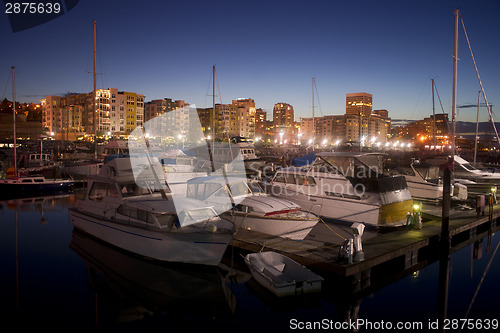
195	215
201	191
239	188
468	167
132	190
255	187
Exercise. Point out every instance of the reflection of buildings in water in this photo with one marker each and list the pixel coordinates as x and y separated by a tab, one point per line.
42	204
132	288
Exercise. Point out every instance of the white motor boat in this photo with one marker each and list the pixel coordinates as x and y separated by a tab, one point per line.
245	203
462	169
477	181
347	187
420	184
465	170
124	208
224	152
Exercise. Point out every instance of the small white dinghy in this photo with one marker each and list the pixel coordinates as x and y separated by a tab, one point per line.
282	275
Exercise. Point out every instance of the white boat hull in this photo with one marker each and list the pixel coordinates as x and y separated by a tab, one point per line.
347	210
83	170
281	275
296	229
184	247
425	190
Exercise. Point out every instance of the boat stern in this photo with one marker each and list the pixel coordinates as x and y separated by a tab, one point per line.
396	201
394	214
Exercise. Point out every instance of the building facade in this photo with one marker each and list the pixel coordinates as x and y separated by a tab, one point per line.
115	112
283	115
358	124
227	120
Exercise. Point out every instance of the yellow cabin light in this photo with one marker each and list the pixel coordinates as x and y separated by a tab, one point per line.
416	207
493	189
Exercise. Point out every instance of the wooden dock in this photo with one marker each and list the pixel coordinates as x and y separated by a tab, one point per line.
406	249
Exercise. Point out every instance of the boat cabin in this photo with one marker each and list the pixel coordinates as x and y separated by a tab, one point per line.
202	188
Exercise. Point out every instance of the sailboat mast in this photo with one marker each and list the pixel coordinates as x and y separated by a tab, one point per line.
433	117
477	126
94	102
213	104
314	119
454	96
14	118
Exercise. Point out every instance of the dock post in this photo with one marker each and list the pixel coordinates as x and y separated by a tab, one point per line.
445	221
411	258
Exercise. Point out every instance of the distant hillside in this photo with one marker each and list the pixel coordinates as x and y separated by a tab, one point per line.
470	127
461	126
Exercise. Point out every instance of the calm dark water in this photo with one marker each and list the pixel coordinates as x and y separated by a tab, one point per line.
53	278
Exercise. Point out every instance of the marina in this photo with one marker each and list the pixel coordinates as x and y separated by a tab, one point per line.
129	211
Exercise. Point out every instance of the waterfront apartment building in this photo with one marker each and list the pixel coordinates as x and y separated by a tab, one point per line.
283	115
358	104
260	123
245	113
327	129
115	113
235	119
166	119
423	130
359	123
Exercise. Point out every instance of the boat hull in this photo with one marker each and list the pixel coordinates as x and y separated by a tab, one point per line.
281	275
351	211
14	189
202	248
295	229
83	170
425	191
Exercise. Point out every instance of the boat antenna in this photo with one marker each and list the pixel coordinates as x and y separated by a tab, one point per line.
14	119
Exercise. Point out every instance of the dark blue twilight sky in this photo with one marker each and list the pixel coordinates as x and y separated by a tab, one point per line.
266	50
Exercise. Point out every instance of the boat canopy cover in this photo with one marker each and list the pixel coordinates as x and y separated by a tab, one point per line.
304	160
352	164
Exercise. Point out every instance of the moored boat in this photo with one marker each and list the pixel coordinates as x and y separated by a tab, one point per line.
347	187
282	275
420	186
15	187
128	211
245	203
